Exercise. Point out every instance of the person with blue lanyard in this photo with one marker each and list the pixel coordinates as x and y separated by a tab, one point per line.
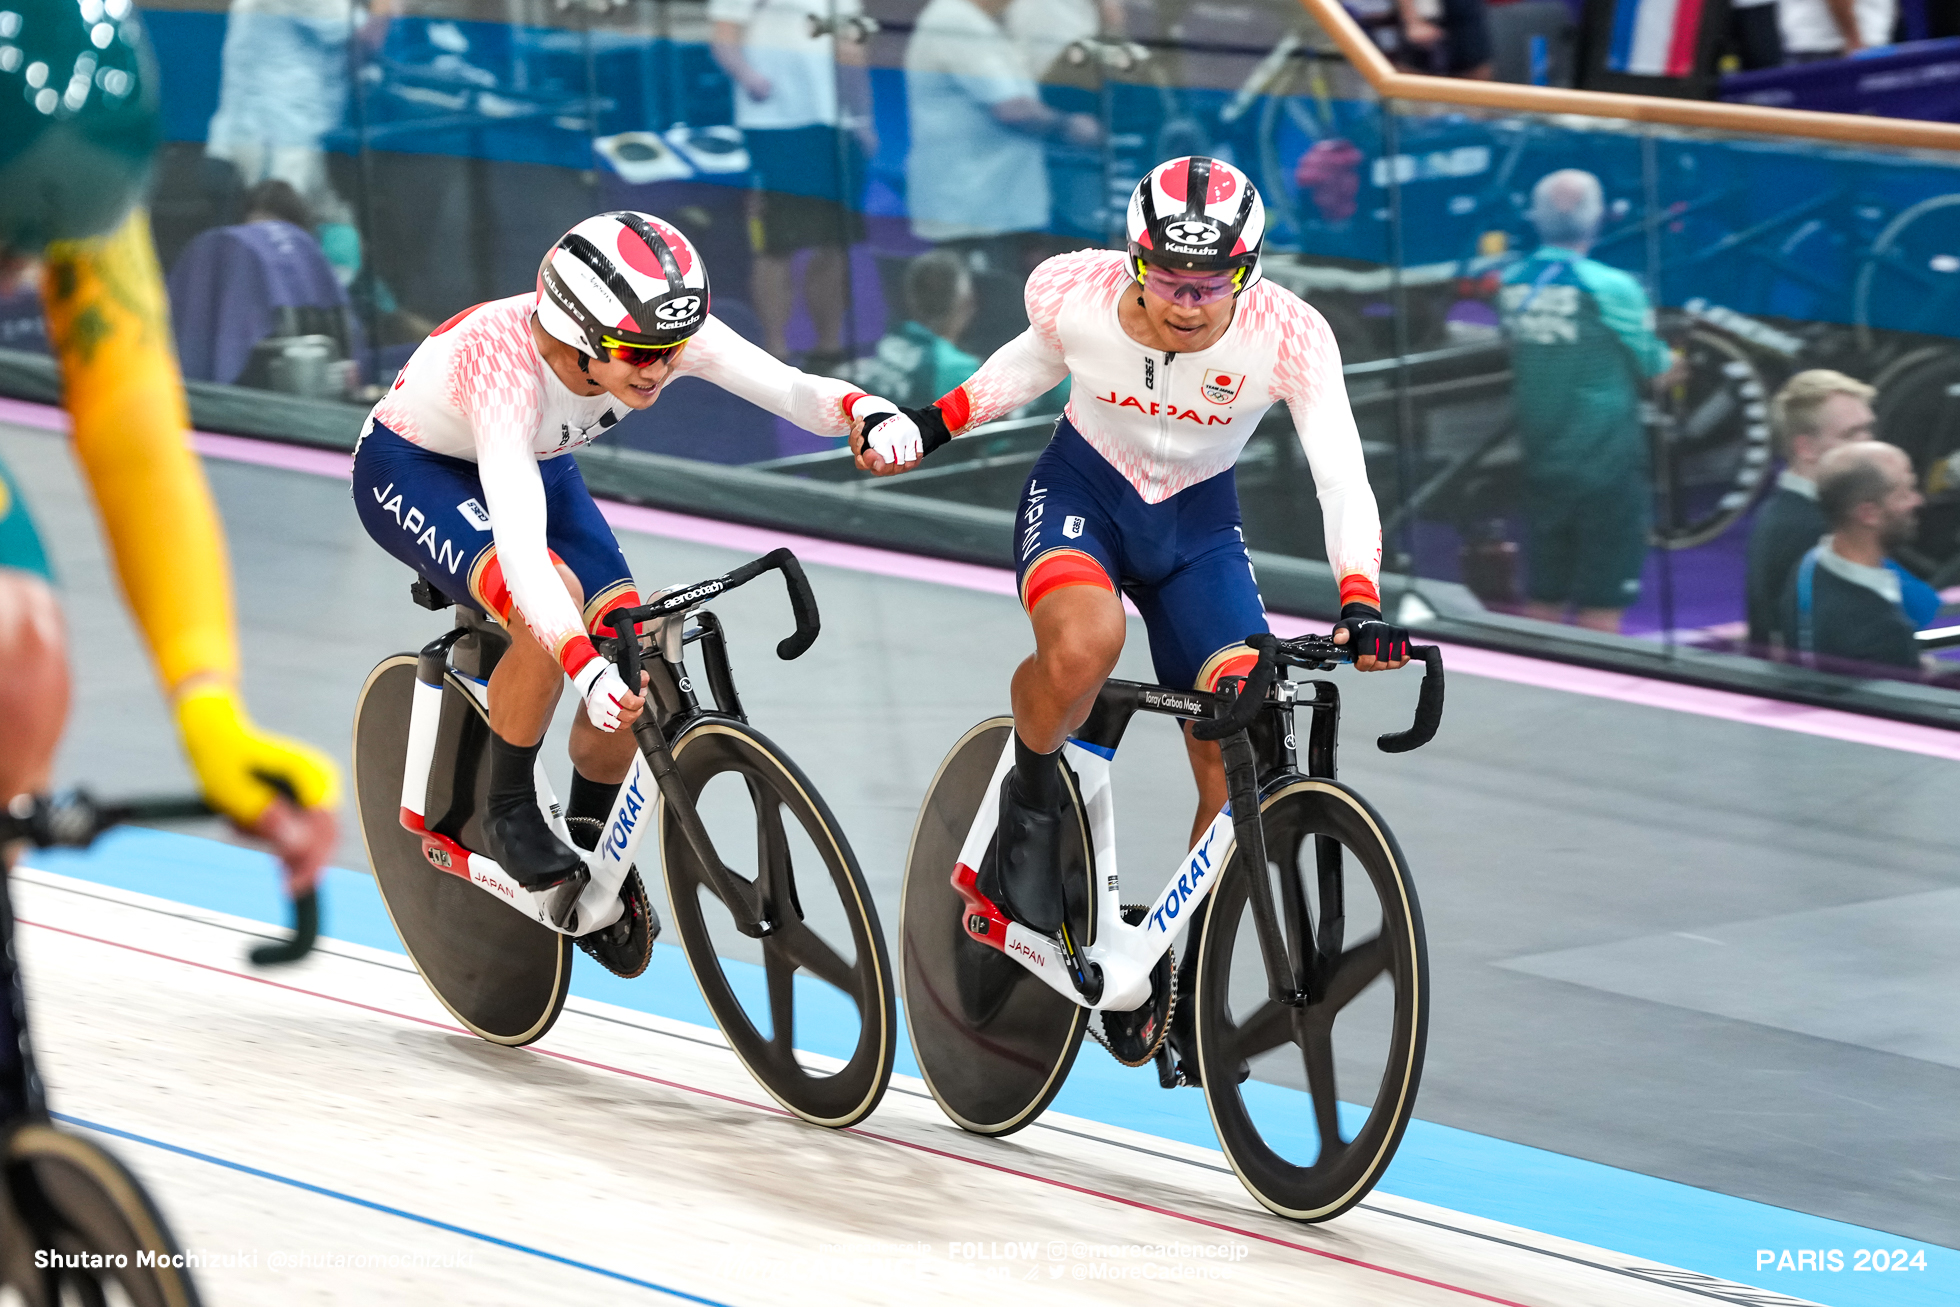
1845	603
1583	351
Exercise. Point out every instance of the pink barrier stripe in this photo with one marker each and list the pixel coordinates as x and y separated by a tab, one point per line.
270	453
1727	705
1724	705
47	417
236	449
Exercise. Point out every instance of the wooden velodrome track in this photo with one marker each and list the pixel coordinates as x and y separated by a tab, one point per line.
326	1134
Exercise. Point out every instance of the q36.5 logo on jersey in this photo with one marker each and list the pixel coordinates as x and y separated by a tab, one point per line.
679	309
1193	231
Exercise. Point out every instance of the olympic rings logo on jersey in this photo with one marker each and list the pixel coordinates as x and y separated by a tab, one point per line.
678	310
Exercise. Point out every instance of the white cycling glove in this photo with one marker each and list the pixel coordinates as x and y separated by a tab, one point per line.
602	689
897	439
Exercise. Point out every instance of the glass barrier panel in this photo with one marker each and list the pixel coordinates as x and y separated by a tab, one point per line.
1520	245
1813	291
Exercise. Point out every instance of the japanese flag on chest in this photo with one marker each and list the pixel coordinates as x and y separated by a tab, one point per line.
1222	387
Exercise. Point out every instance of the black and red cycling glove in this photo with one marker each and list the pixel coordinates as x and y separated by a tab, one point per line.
1369	634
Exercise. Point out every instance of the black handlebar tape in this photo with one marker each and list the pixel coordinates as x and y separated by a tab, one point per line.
1251	696
171	809
306	930
1429	705
802	603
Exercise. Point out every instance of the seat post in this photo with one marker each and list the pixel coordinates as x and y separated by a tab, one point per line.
478	653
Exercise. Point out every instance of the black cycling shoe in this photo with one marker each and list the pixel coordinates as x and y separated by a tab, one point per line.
520	840
1024	877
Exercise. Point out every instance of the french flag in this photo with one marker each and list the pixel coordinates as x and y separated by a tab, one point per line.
1655	38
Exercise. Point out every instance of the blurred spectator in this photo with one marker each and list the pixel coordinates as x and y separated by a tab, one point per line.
1814	30
257	304
1755	34
275	201
1454	35
1450	37
1043	30
1582	351
918	362
1842	603
977	177
807	152
282	87
1814	413
1330	173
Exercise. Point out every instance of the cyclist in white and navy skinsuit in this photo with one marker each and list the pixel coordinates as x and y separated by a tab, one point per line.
1175	350
462	473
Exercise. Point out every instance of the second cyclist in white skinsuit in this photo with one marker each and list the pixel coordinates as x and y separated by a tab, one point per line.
1176	349
463	473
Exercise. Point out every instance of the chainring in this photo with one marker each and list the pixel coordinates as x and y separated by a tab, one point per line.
1134	1037
625	947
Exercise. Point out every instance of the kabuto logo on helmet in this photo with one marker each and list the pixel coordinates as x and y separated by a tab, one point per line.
1197	214
678	310
1192	231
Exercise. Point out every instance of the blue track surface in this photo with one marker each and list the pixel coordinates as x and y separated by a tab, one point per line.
1639	1215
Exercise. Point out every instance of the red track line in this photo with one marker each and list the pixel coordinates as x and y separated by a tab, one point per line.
766	1107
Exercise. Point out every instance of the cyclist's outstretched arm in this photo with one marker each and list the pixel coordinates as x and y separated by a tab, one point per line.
1025	368
104	301
818	404
1310	380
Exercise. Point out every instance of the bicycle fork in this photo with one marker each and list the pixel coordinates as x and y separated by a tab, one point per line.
1291	947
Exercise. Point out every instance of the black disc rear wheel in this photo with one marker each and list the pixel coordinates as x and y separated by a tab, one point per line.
499	972
1338	881
824	983
994	1043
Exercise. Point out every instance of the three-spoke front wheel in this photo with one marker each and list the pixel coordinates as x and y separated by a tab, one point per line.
1354	940
825	982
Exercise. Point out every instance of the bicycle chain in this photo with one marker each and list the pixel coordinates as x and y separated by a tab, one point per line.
607	946
1170	1012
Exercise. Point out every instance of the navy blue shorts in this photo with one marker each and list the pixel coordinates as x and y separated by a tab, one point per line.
427	510
1182	562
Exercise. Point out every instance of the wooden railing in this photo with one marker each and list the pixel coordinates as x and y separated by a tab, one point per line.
1849	128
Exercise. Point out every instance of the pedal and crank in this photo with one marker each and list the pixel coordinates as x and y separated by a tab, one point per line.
1293	872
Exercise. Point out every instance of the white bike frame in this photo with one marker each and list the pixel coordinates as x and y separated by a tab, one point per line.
567	908
1125	953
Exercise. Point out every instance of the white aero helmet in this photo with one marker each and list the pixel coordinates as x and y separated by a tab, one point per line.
1197	214
622	278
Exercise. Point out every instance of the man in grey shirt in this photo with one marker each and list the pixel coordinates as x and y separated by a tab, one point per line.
976	180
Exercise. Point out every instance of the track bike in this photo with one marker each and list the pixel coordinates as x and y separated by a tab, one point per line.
74	1222
499	957
1295	901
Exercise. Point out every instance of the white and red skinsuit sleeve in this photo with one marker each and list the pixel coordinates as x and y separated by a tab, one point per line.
1030	365
819	404
494	381
1308	377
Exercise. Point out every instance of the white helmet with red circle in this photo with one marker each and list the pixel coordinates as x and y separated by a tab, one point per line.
1198	214
622	279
